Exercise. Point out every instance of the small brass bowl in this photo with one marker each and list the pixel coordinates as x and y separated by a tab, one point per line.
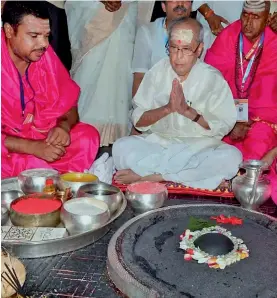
75	180
49	219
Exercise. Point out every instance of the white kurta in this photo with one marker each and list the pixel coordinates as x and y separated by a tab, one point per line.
176	147
230	10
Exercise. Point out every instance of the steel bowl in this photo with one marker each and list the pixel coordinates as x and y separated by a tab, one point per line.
75	180
49	219
8	196
78	216
107	193
141	203
33	181
4	215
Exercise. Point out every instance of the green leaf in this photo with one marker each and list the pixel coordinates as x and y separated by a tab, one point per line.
199	223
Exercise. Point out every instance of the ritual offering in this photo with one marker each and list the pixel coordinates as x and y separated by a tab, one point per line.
144	196
76	180
13	275
214	246
234	258
34	180
84	214
50	221
37	210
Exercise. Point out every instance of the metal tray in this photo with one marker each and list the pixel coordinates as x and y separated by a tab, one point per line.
31	250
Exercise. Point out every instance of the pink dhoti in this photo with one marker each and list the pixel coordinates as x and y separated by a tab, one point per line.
49	94
79	156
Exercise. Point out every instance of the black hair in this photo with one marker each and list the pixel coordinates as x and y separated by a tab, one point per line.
14	11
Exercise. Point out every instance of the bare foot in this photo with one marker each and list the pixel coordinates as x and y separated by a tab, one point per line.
126	177
225	185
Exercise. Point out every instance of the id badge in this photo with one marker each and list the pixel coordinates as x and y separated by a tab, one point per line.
242	110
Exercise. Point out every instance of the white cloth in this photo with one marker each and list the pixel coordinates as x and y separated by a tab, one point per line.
103	71
205	90
177	148
230	10
103	168
149	46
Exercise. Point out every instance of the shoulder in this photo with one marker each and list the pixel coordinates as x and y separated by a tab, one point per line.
161	66
209	74
151	27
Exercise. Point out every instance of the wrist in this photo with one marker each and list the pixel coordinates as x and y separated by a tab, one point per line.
64	125
190	113
208	14
167	110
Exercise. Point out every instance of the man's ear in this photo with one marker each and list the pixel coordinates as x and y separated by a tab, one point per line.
200	49
9	31
164	6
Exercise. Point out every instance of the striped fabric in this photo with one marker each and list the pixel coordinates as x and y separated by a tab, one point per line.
254	6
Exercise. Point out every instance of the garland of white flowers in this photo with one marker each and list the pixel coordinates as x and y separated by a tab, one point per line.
239	252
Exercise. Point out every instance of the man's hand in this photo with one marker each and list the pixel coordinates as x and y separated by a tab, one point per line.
273	22
215	23
240	131
270	156
58	136
177	102
48	153
112	5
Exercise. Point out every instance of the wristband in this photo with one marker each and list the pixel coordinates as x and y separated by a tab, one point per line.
196	118
208	14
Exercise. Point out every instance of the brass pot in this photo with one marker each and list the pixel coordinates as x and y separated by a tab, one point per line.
50	219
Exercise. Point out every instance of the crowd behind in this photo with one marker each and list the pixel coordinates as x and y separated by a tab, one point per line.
181	99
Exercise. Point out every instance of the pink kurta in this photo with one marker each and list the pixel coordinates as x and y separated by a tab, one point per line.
262	94
54	94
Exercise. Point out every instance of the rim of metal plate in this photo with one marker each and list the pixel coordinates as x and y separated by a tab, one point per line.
31	250
119	274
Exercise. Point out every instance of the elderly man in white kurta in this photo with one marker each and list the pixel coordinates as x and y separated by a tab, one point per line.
184	108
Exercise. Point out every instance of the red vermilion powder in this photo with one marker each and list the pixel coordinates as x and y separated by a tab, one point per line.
147	187
36	206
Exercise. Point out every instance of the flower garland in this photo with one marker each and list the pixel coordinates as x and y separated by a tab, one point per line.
239	252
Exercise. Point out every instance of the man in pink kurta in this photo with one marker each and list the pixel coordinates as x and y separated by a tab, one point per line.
39	125
259	135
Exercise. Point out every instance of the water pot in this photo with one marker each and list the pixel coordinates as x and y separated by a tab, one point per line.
252	189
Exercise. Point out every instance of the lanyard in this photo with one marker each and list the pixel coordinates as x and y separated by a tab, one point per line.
250	64
21	88
165	32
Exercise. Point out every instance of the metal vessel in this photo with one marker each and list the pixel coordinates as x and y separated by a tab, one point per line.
252	189
30	250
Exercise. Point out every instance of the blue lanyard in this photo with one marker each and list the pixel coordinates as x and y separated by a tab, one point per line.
21	88
250	64
165	32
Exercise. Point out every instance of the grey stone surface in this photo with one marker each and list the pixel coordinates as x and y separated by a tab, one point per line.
150	251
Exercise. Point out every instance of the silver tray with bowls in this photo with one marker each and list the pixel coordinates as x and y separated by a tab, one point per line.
28	249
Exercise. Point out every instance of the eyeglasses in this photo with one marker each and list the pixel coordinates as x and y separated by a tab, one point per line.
185	51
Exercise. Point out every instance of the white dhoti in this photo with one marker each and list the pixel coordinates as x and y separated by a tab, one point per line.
197	162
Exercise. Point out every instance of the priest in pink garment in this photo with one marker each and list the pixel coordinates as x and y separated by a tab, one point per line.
246	54
40	127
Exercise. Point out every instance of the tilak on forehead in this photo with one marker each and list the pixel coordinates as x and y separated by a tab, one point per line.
254	6
182	35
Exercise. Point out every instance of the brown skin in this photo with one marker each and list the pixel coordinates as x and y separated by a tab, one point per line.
270	156
27	44
215	21
253	24
112	6
273	22
170	8
172	13
182	65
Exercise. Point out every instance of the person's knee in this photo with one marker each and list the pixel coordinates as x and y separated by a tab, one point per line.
86	132
234	156
120	146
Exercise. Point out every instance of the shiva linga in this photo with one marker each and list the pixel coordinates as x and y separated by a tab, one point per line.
252	189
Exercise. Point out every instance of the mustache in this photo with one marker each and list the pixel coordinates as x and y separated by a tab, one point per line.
40	50
180	8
